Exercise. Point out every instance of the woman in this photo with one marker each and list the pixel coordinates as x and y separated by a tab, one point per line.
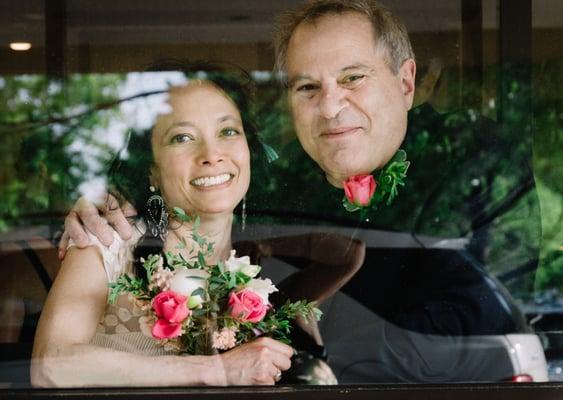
198	160
201	163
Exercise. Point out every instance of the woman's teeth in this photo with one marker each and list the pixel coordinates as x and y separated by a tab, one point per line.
206	181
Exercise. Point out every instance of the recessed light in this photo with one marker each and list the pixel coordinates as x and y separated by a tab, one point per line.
20	46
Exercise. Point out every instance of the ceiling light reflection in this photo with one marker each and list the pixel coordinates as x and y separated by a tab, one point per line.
20	46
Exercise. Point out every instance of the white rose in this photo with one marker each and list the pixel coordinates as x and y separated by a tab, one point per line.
241	264
186	280
262	287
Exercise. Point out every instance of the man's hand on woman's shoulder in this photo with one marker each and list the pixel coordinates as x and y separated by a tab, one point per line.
100	219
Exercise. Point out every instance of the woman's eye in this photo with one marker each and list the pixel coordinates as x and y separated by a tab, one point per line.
181	138
229	132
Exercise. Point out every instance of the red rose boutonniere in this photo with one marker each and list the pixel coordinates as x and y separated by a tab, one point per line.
364	192
359	190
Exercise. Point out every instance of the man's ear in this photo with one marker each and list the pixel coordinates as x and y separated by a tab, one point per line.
407	74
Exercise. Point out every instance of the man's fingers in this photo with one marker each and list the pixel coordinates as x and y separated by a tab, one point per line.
280	352
89	215
75	231
279	347
281	361
116	215
116	218
128	210
100	228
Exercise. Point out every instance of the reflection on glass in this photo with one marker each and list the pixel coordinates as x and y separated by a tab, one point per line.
461	279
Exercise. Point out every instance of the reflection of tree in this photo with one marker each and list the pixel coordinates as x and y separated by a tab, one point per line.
40	169
548	168
478	185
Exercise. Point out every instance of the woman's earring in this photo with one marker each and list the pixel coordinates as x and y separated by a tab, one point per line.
158	216
243	214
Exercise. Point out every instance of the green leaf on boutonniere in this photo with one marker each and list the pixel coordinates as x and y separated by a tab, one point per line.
349	206
400	156
389	179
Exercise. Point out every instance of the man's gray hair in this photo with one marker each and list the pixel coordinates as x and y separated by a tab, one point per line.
390	33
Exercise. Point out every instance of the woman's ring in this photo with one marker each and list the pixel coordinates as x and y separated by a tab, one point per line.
278	375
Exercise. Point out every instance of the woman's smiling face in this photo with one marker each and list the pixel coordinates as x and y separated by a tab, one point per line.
201	157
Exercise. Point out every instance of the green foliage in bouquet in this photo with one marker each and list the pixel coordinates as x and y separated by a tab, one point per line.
225	305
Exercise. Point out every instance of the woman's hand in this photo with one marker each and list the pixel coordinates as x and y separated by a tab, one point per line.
259	362
100	219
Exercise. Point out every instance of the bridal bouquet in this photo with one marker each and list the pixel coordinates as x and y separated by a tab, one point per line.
203	309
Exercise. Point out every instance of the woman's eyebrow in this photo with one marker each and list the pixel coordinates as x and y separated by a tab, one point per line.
180	124
229	117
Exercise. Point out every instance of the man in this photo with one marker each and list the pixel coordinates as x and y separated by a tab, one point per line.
350	74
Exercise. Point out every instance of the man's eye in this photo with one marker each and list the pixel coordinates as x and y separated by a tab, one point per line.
181	138
351	80
307	87
230	132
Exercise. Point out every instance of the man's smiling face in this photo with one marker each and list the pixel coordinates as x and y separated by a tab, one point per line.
349	108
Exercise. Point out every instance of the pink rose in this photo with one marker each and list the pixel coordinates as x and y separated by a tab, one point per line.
247	306
171	307
359	189
163	329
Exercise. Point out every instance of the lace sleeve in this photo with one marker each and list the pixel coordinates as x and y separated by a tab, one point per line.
117	258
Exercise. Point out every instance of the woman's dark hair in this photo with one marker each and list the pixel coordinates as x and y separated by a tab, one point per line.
129	172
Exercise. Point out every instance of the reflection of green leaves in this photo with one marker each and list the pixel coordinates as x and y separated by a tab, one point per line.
44	145
271	154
